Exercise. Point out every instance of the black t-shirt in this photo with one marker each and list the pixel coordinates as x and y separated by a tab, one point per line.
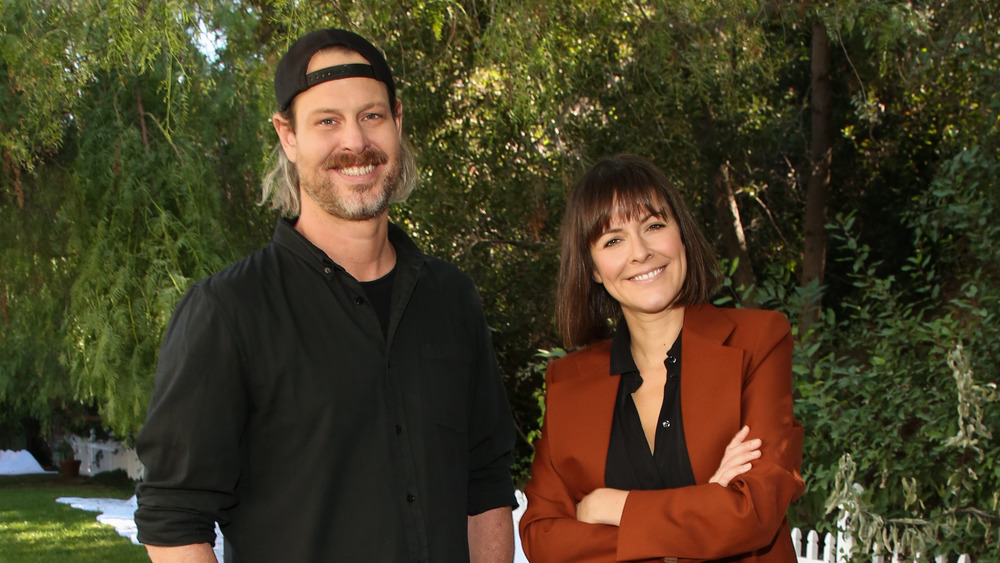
379	292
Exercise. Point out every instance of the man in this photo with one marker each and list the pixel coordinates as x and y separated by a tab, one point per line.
334	396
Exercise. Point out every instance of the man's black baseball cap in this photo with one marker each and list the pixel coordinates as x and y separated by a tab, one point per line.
291	78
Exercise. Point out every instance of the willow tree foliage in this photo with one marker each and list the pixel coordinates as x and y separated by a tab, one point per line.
119	191
133	136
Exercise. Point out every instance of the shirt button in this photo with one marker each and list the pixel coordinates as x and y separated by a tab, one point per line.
410	498
665	424
358	301
671	360
327	270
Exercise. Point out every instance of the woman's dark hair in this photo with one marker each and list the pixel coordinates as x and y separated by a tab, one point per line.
629	187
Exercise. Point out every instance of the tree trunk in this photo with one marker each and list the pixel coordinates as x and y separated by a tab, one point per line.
731	228
814	235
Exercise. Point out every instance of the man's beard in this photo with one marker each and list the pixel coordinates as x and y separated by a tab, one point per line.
324	191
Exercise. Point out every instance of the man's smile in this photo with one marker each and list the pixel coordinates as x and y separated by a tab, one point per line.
357	170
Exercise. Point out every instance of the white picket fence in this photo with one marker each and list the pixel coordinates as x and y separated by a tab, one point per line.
837	549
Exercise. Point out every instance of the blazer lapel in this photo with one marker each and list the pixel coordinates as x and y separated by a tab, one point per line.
711	384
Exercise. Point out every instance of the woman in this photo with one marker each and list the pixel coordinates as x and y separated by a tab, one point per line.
675	439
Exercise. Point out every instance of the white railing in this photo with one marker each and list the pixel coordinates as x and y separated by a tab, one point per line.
97	456
837	549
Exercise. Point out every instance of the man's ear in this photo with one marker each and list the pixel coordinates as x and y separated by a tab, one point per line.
286	135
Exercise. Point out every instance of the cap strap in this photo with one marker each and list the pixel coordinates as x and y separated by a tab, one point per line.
352	70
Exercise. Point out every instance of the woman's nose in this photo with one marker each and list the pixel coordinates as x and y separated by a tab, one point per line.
640	250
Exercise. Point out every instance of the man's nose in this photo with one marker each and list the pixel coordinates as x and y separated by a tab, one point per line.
354	138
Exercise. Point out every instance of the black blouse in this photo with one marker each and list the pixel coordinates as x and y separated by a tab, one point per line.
630	464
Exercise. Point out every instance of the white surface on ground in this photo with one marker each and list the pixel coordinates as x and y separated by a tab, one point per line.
113	512
19	462
120	514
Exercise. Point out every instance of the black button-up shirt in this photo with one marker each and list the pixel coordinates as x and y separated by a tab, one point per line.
281	411
630	464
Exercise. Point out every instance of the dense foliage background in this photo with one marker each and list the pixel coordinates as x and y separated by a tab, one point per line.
844	156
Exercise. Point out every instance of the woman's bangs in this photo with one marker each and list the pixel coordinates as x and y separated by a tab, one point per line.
625	202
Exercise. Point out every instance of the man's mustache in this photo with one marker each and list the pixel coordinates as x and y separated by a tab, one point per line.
372	156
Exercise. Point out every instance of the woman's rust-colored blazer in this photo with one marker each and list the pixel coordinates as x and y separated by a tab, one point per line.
735	371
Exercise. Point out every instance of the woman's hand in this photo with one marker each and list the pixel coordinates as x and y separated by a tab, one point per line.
605	506
602	506
736	461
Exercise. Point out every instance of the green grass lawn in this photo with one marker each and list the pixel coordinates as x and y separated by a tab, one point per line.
35	528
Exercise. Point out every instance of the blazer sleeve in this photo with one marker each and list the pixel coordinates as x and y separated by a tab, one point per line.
707	521
550	532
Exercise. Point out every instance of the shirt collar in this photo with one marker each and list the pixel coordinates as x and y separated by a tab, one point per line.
622	361
621	351
285	235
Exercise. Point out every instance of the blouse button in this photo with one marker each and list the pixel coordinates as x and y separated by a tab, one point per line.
358	301
327	270
665	424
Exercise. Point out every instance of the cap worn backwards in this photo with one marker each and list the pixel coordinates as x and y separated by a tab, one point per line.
292	76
